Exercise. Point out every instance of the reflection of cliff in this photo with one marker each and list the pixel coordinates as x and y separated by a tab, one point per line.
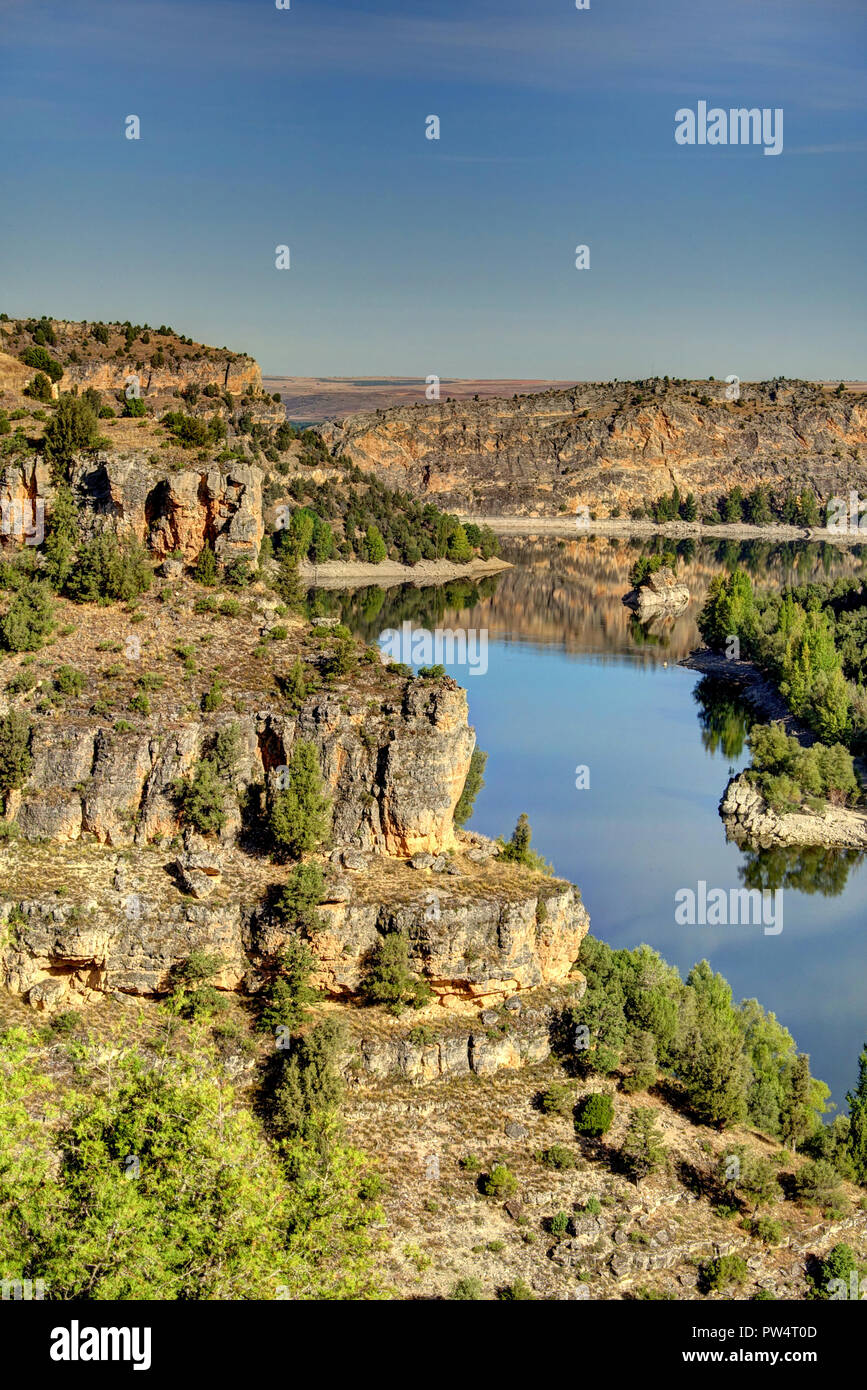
570	593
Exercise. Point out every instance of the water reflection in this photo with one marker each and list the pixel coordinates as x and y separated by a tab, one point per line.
723	716
811	869
570	593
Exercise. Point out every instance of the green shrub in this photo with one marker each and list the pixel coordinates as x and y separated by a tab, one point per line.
474	783
294	685
518	850
192	994
516	1291
500	1182
592	1207
285	996
557	1156
23	681
202	798
301	894
832	1278
29	619
15	757
68	681
722	1273
341	657
108	570
309	1088
42	361
39	389
594	1115
238	574
371	1187
213	697
300	813
642	1151
817	1182
467	1289
374	546
767	1230
387	978
72	429
558	1099
205	568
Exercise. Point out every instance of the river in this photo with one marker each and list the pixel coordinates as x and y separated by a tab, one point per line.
573	682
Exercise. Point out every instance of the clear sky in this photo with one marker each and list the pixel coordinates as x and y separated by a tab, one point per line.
306	127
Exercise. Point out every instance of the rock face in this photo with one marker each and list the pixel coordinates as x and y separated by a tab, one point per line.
94	921
219	506
750	821
458	1048
393	790
661	595
604	447
470	950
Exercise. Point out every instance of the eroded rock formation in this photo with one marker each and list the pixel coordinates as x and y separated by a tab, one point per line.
612	445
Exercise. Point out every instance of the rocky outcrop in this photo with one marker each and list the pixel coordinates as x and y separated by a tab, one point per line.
750	821
512	1036
478	946
661	594
81	920
228	371
612	445
394	778
207	504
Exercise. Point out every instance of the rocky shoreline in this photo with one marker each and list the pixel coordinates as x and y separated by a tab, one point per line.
347	574
575	527
748	818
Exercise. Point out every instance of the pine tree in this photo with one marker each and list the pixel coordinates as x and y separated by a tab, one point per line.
797	1117
642	1150
205	570
712	1062
472	786
300	813
62	539
857	1101
374	546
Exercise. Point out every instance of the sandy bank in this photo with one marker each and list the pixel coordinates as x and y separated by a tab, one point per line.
349	574
571	526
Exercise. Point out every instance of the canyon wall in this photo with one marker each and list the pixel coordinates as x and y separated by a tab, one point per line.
612	445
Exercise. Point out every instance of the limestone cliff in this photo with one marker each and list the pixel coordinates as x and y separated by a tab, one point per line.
104	887
612	445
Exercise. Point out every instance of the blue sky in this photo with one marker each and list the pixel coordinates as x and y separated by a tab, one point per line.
306	127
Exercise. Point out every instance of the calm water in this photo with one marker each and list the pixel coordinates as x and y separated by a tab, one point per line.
572	680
